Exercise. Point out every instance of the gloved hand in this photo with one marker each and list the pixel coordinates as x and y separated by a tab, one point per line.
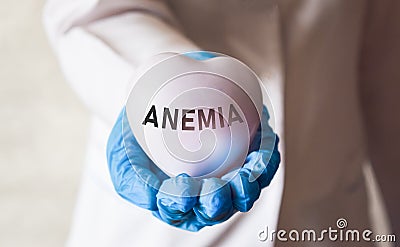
183	201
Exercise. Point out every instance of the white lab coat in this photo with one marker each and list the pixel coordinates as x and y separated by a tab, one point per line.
307	52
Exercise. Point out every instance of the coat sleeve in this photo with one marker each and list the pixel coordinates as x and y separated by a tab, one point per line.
100	44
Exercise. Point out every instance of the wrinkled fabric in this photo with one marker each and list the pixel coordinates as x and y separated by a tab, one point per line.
182	201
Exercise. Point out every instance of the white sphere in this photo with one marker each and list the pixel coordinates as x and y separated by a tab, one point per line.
195	117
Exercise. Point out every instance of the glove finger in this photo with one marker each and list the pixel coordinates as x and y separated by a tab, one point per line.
266	176
215	202
244	192
134	183
177	197
255	163
260	150
190	224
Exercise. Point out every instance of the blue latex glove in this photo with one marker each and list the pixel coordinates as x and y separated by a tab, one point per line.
141	182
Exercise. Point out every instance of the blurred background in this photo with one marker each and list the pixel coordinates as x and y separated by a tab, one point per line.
42	133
